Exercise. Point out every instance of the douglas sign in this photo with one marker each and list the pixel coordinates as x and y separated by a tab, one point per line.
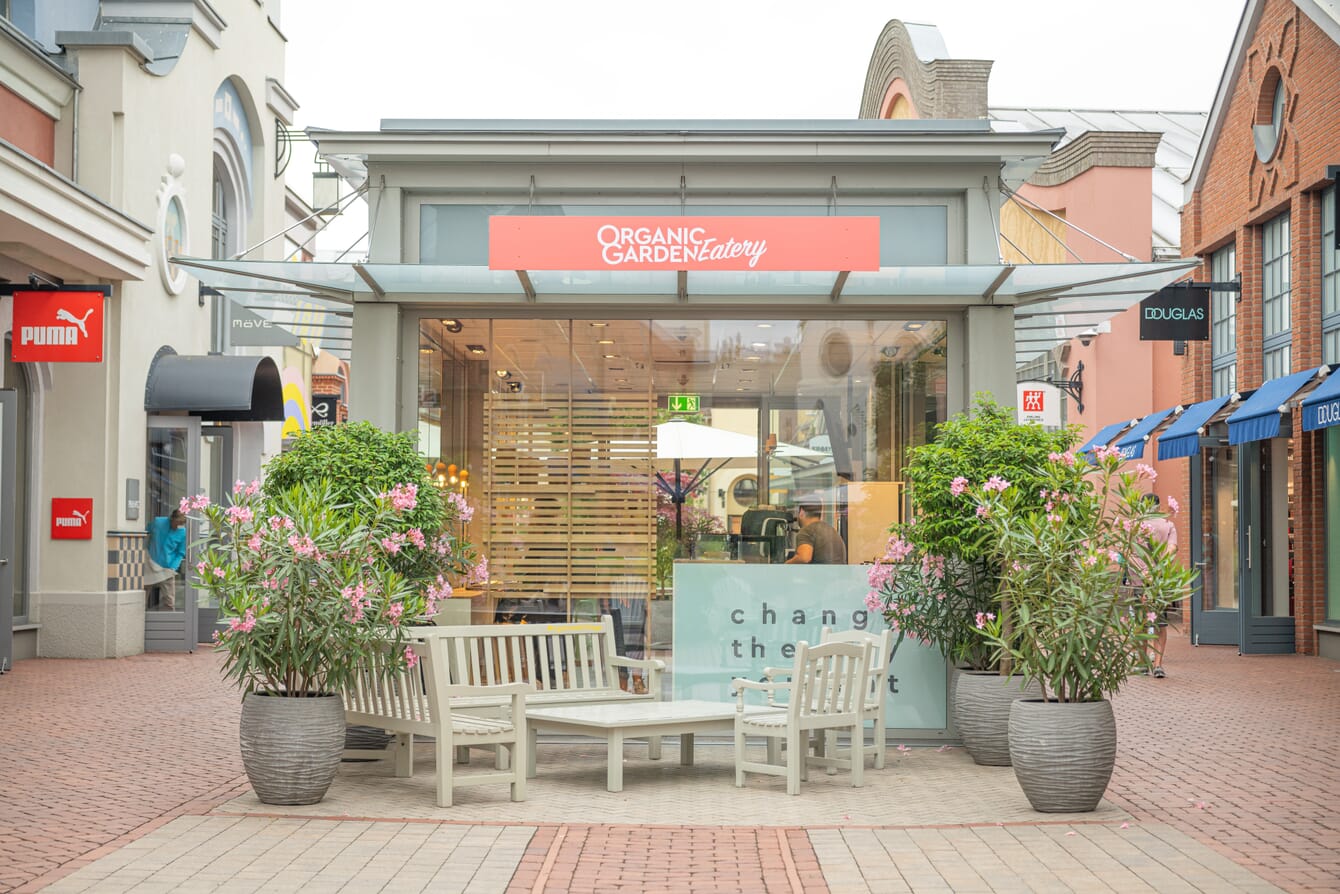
1176	313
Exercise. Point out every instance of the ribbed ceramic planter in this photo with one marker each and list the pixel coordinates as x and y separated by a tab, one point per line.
291	747
982	702
1063	753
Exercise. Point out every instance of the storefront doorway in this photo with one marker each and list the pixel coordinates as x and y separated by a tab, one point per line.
1214	609
1266	622
216	480
9	407
171	623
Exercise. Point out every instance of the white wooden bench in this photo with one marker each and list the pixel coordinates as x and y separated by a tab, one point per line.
423	700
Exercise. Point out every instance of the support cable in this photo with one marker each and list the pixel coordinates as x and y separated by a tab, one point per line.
333	207
1022	199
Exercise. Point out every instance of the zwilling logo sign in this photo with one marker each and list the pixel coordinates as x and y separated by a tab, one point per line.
1033	401
72	518
59	326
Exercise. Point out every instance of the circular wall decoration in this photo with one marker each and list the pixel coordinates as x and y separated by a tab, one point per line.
835	353
1269	121
745	490
173	228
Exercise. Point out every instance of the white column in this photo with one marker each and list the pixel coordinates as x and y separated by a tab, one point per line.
374	387
989	353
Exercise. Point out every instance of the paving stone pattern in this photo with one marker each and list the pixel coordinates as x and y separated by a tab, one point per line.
124	776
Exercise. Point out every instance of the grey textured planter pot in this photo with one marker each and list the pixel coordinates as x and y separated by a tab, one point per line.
1063	753
291	747
982	702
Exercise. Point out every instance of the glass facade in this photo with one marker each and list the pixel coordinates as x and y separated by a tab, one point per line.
1276	281
599	452
1224	322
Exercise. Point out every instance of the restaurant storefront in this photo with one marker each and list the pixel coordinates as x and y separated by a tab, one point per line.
638	346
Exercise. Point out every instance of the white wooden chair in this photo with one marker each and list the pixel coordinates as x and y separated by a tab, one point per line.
826	691
877	671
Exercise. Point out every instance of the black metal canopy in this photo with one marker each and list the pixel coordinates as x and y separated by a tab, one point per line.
215	387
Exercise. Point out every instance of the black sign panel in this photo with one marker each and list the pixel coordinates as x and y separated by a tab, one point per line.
325	409
1176	313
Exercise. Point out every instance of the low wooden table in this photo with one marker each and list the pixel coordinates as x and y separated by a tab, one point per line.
636	720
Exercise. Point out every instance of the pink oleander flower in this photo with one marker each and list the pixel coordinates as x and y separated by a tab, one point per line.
416	537
480	573
874	602
1151	617
219	572
403	497
897	550
1174	505
411	659
238	515
392	544
189	504
255	542
245	625
1090	560
1054	518
1114	555
393	613
983	512
958	485
304	547
1146	471
996	483
1067	459
464	511
200	567
983	618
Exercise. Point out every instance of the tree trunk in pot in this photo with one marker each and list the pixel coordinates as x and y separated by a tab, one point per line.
982	702
291	747
1063	752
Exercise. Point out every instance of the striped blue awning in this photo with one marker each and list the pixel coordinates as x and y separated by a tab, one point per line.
1261	416
1105	434
1321	408
1182	437
1132	444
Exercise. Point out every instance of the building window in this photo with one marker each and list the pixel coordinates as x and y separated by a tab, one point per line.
1330	281
1224	322
1275	313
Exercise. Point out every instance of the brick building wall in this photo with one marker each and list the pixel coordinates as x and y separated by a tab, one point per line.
1239	193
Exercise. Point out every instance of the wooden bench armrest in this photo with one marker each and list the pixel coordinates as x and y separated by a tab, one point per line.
739	685
498	689
651	664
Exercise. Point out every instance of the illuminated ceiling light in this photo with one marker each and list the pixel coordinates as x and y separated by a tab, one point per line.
502	373
475	349
758	345
427	349
914	326
605	341
754	357
599	325
765	325
611	356
452	325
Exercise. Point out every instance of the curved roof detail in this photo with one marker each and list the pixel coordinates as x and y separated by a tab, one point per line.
940	87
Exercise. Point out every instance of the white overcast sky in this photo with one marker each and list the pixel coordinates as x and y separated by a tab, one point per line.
350	64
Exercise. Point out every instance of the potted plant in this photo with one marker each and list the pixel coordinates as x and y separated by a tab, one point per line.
937	579
358	457
311	592
1085	581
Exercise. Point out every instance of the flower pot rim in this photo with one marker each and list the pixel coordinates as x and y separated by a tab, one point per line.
1053	701
291	695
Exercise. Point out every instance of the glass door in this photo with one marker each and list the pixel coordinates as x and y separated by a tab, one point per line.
1214	615
8	446
173	472
216	479
1265	623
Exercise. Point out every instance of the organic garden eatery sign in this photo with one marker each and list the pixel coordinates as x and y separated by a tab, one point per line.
684	243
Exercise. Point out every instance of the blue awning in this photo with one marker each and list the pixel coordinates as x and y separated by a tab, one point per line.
1105	434
1182	438
1261	415
1132	444
1321	408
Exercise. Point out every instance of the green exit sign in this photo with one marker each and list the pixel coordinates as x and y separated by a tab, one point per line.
682	403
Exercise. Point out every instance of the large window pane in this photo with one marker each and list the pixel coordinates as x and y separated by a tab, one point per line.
1276	286
1330	280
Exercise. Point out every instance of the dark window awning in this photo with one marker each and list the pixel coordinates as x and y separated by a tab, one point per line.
1105	435
1261	416
1132	444
1182	437
215	387
1321	408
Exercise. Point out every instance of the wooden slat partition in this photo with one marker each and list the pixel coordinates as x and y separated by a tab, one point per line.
569	493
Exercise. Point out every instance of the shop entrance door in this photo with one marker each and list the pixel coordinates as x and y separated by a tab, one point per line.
173	472
1214	546
216	480
9	408
1265	624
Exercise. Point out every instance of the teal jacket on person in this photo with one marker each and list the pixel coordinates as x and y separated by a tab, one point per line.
167	545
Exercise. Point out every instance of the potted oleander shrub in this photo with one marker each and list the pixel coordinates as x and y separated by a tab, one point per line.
358	457
312	593
1084	581
937	581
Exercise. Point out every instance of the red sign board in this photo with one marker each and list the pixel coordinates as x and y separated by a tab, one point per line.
1034	401
58	326
71	518
683	243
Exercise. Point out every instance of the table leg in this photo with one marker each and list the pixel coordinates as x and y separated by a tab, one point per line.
614	758
686	749
531	736
654	747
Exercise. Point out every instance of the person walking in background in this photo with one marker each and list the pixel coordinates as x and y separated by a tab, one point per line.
1161	530
167	548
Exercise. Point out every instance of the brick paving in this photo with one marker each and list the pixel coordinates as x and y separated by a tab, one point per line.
124	775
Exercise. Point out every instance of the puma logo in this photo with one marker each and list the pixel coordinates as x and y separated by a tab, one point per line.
65	316
83	516
75	519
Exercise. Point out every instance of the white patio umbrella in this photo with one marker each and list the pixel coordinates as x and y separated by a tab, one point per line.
680	439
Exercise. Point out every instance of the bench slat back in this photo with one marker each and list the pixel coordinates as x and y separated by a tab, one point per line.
401	694
555	657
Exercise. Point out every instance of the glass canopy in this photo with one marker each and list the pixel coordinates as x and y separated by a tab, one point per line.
1052	302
